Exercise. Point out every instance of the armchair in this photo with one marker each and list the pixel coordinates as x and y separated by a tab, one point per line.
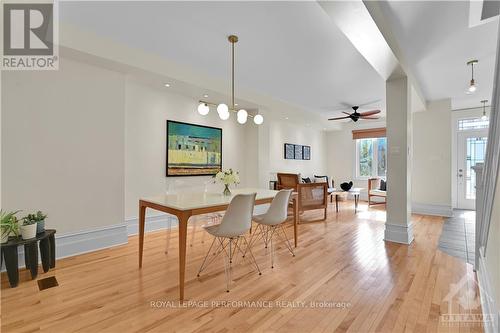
375	191
287	181
330	189
313	196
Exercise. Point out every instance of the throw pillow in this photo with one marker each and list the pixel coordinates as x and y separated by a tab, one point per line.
306	180
383	185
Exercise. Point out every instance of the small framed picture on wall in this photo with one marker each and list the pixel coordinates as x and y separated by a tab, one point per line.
298	152
306	152
289	151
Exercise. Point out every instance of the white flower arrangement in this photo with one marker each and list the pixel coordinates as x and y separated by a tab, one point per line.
227	177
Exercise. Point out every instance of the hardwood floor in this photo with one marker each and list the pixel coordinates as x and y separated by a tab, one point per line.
363	283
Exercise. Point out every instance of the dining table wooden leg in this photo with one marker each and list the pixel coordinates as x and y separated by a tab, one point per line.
183	221
295	219
142	221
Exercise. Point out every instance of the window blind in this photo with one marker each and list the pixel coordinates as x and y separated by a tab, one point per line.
369	133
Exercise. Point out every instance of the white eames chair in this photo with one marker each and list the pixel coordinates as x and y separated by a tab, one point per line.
270	224
230	233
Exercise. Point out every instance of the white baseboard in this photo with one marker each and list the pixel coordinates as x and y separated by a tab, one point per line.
153	223
397	233
75	243
430	209
488	303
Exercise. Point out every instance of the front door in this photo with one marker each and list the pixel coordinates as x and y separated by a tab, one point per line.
471	146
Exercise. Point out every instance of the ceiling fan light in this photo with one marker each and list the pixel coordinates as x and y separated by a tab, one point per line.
203	109
258	119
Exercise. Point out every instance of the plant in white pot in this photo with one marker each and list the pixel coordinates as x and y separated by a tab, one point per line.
227	177
39	219
28	228
8	225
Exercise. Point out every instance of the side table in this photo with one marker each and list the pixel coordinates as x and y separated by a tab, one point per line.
47	252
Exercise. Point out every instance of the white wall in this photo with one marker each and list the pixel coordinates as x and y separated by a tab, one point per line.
432	151
281	132
63	145
147	110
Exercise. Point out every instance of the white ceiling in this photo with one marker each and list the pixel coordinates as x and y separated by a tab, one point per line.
436	41
294	52
289	50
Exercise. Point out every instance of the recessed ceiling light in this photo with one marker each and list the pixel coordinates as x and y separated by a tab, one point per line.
205	95
286	118
167	85
235	104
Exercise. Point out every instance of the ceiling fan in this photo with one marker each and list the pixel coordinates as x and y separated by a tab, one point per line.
355	116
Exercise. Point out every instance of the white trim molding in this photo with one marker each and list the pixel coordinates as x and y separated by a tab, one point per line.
153	223
399	233
74	243
430	209
80	242
491	314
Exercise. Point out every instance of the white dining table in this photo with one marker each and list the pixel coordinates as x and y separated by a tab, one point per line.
185	205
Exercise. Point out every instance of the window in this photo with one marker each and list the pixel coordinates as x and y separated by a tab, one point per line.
371	157
472	123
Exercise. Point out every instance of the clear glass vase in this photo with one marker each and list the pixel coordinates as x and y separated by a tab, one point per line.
227	191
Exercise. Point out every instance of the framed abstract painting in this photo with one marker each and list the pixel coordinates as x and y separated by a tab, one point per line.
193	150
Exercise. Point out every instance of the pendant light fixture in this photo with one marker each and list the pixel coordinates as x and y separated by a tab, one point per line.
472	85
222	109
484	117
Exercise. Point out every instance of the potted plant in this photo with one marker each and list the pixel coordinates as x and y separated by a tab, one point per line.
227	177
8	225
28	228
39	219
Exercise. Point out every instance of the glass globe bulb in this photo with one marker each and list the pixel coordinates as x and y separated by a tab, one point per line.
484	117
472	88
222	108
224	115
258	119
203	109
242	116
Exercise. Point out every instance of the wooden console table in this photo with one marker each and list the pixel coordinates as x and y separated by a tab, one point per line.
47	252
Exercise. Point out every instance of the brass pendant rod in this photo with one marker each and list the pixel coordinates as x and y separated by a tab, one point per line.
232	74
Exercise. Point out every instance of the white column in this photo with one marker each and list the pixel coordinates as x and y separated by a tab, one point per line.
398	226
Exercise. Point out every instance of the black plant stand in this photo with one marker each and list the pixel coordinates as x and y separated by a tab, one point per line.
47	252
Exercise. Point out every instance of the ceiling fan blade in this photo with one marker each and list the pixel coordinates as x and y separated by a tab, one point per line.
370	103
347	113
338	118
369	113
368	117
